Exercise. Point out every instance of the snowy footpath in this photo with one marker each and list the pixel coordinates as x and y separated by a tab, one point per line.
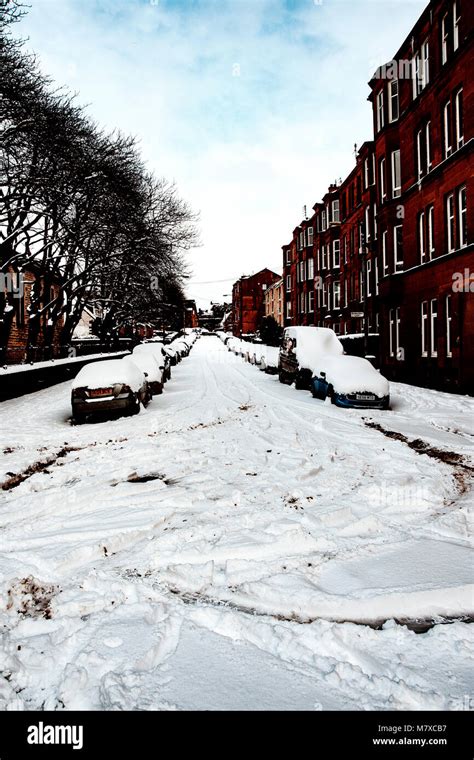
237	545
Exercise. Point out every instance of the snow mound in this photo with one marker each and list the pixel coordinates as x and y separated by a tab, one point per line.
108	373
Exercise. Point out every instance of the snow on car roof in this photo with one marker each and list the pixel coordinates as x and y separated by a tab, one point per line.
351	374
146	362
312	342
107	373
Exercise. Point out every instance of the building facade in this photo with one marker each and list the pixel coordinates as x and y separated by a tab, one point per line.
248	301
274	299
389	250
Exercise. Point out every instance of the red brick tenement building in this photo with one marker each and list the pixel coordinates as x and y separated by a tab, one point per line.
390	248
248	301
18	342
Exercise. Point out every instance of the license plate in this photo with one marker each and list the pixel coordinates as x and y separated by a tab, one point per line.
364	397
101	392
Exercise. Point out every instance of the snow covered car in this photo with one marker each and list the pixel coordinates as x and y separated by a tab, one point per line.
157	350
108	386
179	349
147	363
173	355
269	360
300	348
350	381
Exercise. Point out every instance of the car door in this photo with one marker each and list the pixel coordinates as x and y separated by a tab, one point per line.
288	359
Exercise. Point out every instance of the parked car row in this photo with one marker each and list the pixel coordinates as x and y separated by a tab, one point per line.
313	359
123	385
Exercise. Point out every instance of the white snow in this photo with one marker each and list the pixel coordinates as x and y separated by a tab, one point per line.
12	369
228	546
147	363
150	349
351	374
108	373
312	343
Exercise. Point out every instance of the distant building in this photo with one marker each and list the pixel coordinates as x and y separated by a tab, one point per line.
274	301
191	318
248	301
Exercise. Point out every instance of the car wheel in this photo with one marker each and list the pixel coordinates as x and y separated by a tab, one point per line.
301	382
135	406
78	418
284	377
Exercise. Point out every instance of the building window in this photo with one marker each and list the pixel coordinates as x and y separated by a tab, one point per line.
419	153
367	223
425	62
385	268
288	309
462	216
375	221
376	277
323	221
288	283
383	190
393	101
428	145
444	38
459	120
335	211
447	134
456	20
288	257
424	328
423	150
430	241
311	301
361	286
310	269
324	262
398	248
368	276
380	112
449	326
302	303
361	238
450	222
394	331
310	235
336	295
366	174
417	75
325	294
336	253
396	175
434	327
421	236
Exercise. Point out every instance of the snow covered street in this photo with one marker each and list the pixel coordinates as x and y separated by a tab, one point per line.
237	545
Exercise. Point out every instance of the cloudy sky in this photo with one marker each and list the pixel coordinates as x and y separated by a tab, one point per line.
251	106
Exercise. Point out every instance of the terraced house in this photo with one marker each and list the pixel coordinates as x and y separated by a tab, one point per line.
389	250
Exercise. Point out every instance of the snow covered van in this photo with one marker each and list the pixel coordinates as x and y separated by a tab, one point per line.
300	349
